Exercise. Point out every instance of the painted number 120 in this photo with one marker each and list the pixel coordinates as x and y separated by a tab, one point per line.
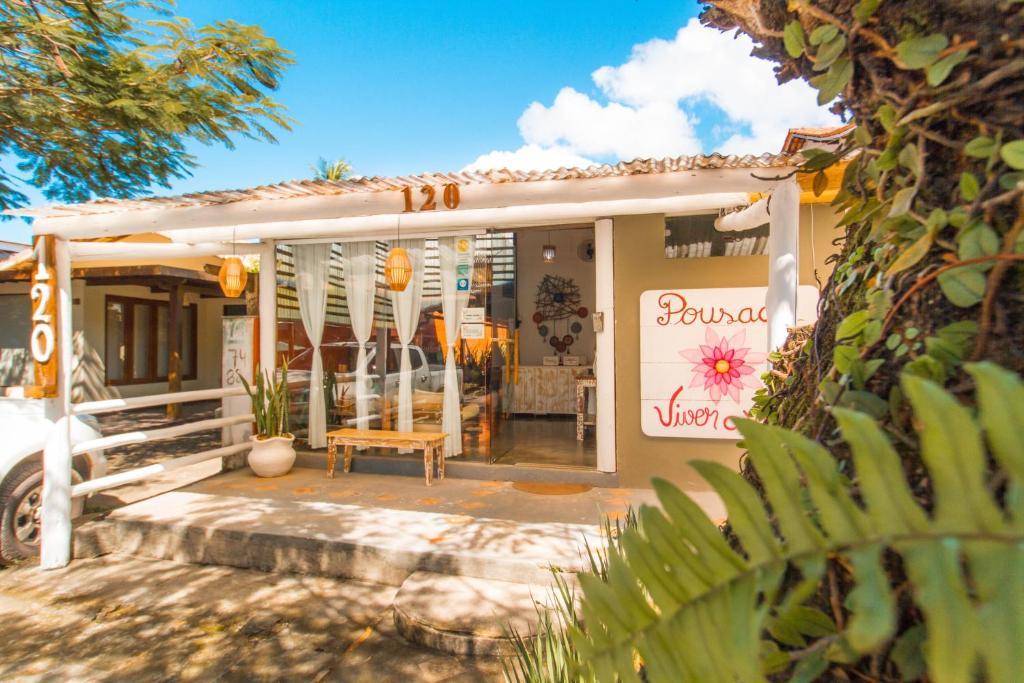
449	195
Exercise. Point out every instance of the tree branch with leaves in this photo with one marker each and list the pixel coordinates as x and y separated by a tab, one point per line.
95	101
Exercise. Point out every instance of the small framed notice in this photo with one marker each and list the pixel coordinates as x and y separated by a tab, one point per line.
572	361
550	360
473	315
472	331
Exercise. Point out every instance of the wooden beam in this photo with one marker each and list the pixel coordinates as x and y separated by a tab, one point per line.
175	317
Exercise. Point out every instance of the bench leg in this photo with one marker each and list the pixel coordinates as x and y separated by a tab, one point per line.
428	463
332	456
581	407
348	459
440	463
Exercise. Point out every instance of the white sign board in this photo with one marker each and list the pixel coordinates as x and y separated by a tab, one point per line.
472	331
702	354
237	350
473	315
236	361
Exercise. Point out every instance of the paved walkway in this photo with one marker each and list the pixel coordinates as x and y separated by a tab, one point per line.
138	455
118	618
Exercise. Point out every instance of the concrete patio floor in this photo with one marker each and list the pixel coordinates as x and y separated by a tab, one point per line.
118	618
474	498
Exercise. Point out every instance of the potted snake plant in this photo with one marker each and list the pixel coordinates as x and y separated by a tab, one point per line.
272	454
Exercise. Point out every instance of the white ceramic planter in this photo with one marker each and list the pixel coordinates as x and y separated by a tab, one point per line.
272	457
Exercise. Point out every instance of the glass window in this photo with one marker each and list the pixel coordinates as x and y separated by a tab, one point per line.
115	351
696	237
189	334
137	334
16	367
162	340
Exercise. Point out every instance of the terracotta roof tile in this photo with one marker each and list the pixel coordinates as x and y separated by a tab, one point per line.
303	188
798	137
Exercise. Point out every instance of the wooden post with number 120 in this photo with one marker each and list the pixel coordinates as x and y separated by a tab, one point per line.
43	340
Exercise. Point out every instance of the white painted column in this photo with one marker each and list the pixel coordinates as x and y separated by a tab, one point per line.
604	358
783	276
268	306
56	515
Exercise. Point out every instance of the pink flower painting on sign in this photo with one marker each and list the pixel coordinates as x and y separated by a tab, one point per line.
724	366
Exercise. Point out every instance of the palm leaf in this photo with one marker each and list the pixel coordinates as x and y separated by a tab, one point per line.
693	608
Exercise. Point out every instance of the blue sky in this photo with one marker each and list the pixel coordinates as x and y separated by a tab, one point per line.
402	87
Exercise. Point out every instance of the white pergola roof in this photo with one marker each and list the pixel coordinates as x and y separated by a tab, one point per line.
361	207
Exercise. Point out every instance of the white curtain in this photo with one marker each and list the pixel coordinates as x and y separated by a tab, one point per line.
453	302
359	260
311	266
406	308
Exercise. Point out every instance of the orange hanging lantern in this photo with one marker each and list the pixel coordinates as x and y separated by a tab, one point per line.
397	269
232	276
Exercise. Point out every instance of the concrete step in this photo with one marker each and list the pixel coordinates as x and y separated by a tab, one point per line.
467	616
333	539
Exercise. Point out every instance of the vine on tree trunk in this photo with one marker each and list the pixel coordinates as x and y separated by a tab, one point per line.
932	210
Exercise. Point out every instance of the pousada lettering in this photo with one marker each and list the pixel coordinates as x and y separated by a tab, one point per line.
675	415
677	311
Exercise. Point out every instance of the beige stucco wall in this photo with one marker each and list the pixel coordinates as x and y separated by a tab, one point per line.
640	265
89	316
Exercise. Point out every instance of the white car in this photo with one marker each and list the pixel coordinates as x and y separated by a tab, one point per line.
425	376
26	428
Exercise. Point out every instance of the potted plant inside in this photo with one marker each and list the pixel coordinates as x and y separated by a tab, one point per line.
272	454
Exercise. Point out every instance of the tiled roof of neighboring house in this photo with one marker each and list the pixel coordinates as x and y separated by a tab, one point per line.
797	138
9	248
306	188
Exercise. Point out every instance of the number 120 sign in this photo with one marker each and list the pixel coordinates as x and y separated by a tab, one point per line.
42	342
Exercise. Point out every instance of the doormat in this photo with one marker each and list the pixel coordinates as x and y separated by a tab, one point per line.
542	489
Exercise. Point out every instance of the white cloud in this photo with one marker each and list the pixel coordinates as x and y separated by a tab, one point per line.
620	130
530	158
649	103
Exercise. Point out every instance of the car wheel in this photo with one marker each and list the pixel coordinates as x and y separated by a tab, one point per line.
21	508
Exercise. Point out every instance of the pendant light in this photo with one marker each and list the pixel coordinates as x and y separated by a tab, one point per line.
397	266
547	252
233	275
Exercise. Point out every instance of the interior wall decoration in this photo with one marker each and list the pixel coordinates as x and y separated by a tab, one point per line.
558	311
586	250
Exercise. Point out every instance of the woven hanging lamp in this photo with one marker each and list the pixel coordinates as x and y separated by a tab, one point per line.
232	275
547	252
398	266
397	269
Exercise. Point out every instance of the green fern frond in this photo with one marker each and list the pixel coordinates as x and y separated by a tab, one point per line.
691	607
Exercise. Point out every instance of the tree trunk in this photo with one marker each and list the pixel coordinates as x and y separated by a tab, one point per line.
930	275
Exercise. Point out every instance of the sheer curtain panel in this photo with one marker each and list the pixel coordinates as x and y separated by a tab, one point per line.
311	266
453	302
359	260
406	308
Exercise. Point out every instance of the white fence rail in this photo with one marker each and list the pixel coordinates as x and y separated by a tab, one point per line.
145	436
139	473
115	404
60	450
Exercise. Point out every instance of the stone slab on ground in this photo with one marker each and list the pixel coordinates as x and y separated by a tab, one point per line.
467	616
119	618
334	539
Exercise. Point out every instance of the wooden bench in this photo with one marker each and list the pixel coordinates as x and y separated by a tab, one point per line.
432	443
